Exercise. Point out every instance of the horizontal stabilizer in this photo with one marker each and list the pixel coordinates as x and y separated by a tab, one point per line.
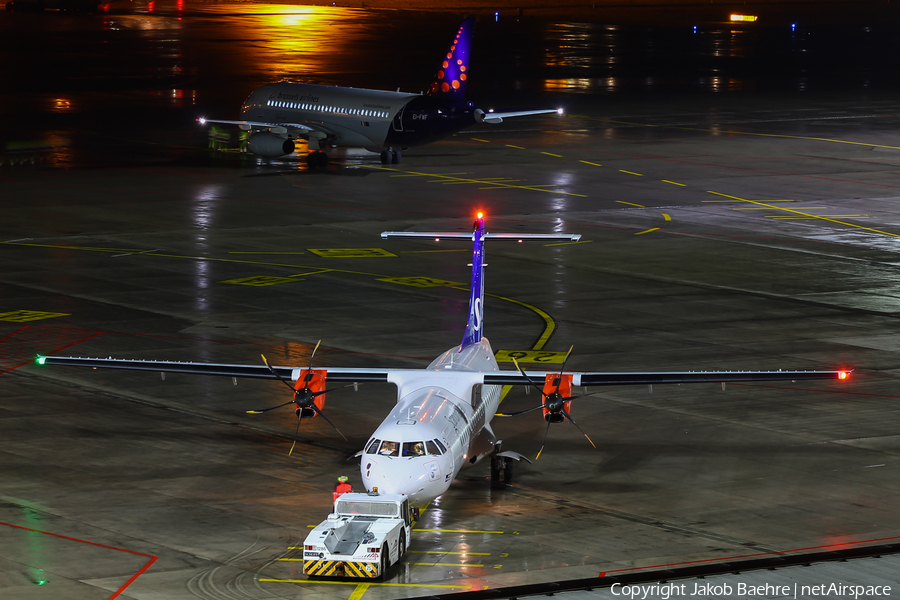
459	235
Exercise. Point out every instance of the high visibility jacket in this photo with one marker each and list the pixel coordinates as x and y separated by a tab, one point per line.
340	489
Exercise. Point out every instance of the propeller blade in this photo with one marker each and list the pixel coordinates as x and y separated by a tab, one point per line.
319	412
296	431
275	373
309	372
521	412
569	417
543	442
586	395
262	410
525	375
562	369
314	394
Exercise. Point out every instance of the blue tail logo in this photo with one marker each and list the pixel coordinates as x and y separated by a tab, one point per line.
475	324
449	83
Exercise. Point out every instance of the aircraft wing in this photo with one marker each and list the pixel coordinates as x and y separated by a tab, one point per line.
497	117
246	125
229	370
585	379
349	374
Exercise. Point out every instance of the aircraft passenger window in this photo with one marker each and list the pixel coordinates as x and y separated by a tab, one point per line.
373	447
389	449
440	445
432	448
413	449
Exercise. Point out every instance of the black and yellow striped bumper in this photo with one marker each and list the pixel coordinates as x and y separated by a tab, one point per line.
340	568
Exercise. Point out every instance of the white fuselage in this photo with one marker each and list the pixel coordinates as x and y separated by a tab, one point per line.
440	425
353	117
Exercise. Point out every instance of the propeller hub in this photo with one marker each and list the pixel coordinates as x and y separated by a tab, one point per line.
555	403
304	398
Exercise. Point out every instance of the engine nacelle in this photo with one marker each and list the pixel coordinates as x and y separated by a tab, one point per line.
316	383
270	145
564	385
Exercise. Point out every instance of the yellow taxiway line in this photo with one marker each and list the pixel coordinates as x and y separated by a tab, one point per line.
735	132
493	184
806	215
321	582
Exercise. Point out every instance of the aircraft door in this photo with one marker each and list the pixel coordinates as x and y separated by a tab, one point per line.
397	123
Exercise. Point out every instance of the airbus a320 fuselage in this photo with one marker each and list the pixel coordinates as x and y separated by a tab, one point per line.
379	121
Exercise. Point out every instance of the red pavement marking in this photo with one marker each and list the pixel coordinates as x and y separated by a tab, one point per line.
18	351
140	572
727	558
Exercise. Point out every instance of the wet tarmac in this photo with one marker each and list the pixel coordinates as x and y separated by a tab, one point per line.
730	221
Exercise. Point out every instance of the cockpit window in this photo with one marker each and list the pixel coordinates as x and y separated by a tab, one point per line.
373	447
441	446
389	449
413	449
432	448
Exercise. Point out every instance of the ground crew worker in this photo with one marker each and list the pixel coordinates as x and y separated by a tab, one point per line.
341	487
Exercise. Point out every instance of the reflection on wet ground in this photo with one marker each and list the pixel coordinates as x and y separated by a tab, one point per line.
182	53
138	75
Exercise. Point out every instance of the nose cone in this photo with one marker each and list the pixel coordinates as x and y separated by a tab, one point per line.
399	476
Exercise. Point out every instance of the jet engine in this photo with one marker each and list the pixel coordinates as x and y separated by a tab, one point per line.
270	145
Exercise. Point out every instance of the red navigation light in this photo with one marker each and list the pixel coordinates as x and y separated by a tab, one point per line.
843	374
480	215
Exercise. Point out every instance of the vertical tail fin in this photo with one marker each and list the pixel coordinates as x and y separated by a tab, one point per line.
474	325
449	83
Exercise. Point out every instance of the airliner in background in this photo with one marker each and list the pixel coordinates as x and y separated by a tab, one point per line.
441	422
379	121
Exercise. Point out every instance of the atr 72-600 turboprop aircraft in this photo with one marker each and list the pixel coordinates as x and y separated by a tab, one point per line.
379	121
442	420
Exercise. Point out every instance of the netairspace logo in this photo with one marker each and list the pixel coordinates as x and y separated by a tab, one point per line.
666	591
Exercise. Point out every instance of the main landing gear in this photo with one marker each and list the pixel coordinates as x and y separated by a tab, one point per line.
391	157
317	159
